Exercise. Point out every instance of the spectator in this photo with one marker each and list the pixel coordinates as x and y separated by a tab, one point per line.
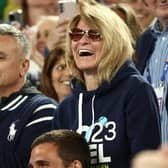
56	76
152	54
129	17
44	26
25	112
143	12
111	104
38	40
61	149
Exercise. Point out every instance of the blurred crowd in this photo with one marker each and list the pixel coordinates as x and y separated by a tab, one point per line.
140	51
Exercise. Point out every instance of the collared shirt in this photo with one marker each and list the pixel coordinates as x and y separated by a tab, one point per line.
155	67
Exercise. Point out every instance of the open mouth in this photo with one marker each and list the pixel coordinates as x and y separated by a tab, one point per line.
66	82
83	53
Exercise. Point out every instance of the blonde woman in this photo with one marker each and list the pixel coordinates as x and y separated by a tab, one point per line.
111	104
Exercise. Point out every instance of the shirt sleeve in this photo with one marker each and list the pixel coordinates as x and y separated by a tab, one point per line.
143	119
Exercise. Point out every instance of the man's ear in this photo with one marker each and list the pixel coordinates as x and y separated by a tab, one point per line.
24	67
76	164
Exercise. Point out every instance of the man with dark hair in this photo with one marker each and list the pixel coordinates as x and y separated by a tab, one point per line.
60	149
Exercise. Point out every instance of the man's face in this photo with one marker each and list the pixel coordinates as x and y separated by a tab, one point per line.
160	6
10	63
45	155
143	12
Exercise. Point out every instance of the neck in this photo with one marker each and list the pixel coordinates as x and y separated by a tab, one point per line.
91	82
164	22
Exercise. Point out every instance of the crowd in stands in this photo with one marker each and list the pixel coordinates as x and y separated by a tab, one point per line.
97	81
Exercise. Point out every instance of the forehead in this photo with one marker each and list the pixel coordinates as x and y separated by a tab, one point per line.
41	148
7	39
8	44
82	24
39	153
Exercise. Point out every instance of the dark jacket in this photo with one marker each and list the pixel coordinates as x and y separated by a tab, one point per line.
144	48
118	119
23	116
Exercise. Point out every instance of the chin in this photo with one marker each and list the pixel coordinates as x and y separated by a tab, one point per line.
66	89
86	67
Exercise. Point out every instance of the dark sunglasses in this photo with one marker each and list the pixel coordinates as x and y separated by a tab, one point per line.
76	34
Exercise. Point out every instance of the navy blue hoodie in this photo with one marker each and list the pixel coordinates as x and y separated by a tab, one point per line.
118	119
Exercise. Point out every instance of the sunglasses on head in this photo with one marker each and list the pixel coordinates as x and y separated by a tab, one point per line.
76	34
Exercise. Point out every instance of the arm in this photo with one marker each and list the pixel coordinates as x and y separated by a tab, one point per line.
39	122
143	121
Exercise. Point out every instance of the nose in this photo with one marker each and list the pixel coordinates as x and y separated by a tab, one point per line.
85	37
68	72
41	39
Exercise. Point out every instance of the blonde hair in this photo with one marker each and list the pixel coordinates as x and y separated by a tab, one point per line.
117	47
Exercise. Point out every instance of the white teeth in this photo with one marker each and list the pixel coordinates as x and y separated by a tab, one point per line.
86	52
66	82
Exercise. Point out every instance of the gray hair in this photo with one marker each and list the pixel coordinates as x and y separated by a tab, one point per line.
22	40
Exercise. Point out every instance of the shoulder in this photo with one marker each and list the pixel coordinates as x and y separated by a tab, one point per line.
144	48
41	109
42	102
146	37
40	98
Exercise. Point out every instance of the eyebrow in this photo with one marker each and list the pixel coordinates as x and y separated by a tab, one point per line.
39	163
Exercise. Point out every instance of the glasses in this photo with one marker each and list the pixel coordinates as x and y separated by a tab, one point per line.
76	34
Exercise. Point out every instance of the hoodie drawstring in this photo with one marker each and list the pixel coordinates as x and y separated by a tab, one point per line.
93	112
90	129
80	113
